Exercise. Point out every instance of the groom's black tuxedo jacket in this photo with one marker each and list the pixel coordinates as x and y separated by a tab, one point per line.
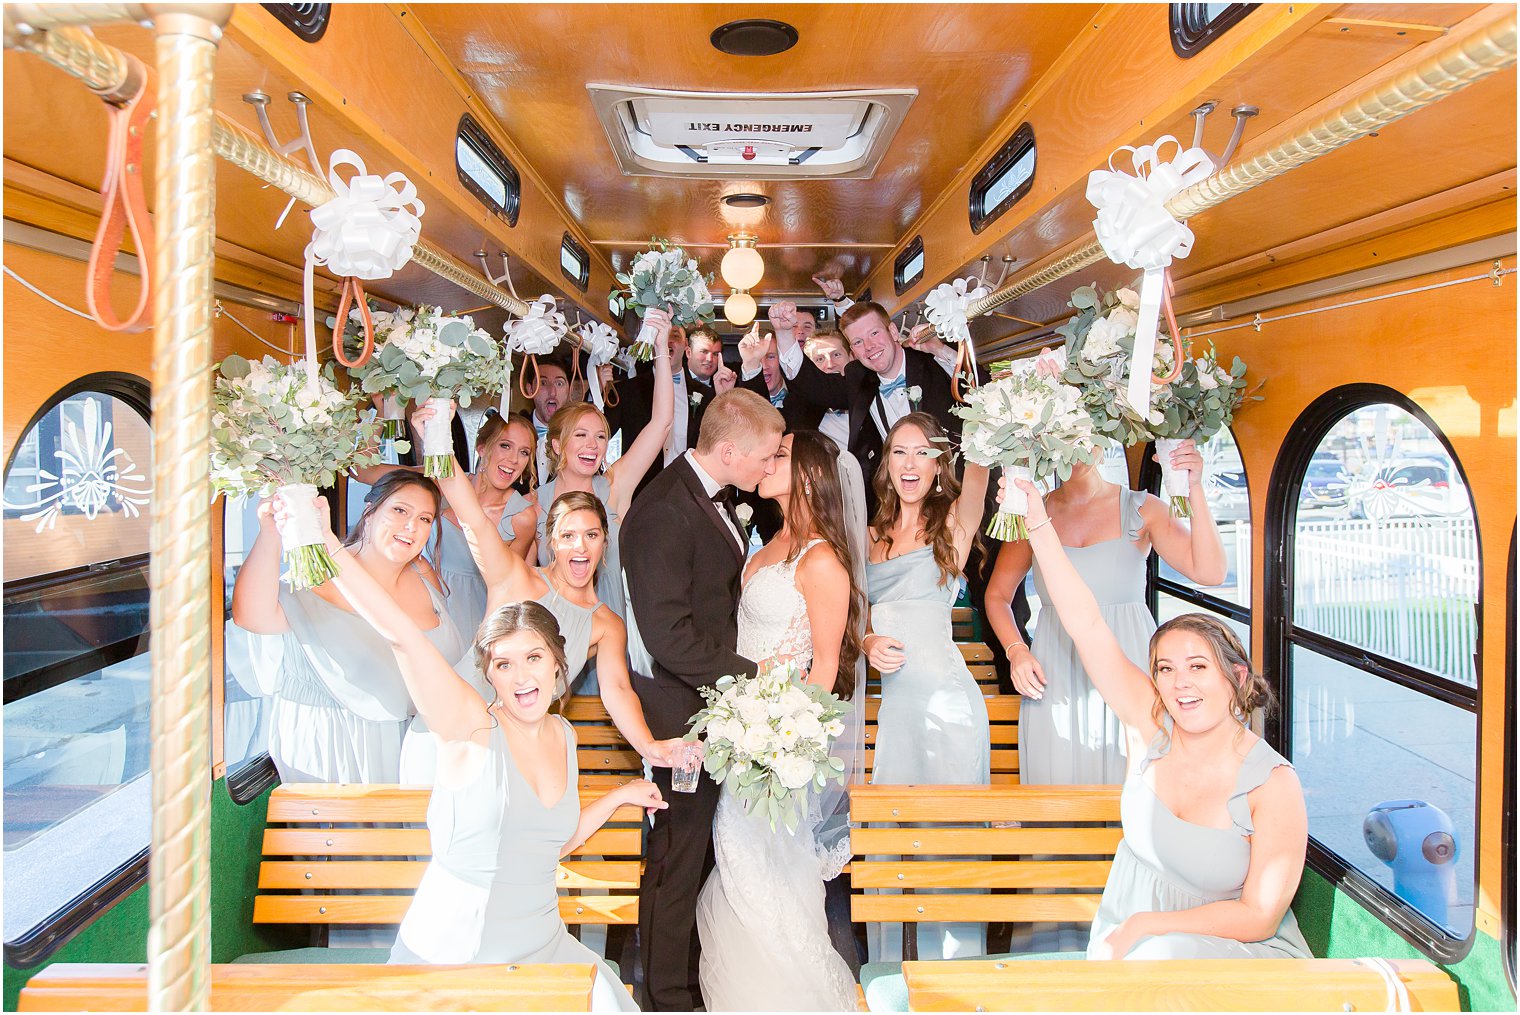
855	390
683	570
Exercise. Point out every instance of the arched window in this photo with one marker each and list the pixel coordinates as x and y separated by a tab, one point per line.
77	806
1229	497
1377	627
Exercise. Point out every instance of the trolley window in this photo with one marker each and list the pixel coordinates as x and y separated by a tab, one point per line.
485	171
1378	621
1194	26
1006	178
574	262
909	267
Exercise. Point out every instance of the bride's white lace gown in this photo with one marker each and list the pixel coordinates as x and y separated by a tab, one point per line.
765	937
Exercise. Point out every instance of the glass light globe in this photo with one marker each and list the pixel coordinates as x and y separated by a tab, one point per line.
740	309
742	267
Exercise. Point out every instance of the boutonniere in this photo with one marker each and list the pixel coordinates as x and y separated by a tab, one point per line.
696	398
915	395
744	513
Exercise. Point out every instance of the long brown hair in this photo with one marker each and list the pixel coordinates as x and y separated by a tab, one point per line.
1248	692
938	504
491	431
816	505
511	619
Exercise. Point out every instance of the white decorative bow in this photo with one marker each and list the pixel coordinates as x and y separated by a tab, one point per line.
1136	230
366	231
948	308
538	332
601	345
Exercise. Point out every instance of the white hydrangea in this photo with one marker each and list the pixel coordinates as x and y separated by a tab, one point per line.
794	771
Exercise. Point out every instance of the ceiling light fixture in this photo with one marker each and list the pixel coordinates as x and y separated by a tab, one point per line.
742	266
754	37
740	309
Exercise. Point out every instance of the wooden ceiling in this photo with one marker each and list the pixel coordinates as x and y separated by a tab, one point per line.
969	62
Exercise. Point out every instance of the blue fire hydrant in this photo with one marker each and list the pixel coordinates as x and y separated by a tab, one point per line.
1416	839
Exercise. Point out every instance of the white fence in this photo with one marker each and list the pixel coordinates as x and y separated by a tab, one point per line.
1405	588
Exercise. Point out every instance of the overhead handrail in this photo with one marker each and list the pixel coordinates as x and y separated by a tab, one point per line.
1463	62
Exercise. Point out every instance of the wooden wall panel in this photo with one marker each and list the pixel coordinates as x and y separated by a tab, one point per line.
1452	352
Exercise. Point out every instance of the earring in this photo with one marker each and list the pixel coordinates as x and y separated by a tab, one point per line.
937	487
807	488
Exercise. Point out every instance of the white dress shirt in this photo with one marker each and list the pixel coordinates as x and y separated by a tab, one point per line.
675	441
541	431
711	486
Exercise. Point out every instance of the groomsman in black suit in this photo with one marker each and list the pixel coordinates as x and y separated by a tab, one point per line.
683	555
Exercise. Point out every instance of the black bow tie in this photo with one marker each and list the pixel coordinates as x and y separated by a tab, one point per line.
723	495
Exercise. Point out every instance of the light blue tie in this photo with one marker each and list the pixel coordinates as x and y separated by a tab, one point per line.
779	398
540	429
893	386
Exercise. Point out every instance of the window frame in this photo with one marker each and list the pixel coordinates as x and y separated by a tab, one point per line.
1280	637
41	942
308	28
570	244
1005	158
915	248
472	134
1507	819
1188	40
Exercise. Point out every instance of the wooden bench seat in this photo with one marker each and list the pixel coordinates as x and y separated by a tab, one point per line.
250	987
1172	985
313	873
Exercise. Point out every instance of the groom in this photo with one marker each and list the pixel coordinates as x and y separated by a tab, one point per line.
683	554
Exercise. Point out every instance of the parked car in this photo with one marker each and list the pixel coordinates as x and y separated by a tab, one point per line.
1418	486
1326	482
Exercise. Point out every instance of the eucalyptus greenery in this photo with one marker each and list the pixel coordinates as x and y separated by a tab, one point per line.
663	276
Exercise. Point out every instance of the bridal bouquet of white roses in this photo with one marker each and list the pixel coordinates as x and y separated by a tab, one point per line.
1032	425
1198	400
427	356
664	276
273	430
768	738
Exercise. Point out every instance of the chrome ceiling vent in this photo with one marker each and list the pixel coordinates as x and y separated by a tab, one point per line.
754	135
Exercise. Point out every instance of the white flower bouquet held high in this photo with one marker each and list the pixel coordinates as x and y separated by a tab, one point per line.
273	431
663	276
1032	425
1199	399
768	739
429	356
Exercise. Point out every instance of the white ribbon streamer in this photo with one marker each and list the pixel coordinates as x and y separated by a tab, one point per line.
539	331
366	231
437	434
948	308
601	345
1136	230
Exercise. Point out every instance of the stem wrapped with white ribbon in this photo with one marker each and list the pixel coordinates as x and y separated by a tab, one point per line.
600	343
1136	230
307	560
438	440
367	231
1174	481
1009	524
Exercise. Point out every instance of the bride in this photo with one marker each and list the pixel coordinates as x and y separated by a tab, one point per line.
764	933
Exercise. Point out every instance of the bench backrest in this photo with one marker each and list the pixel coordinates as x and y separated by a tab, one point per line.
1003	724
327	987
314	870
1073	830
1173	985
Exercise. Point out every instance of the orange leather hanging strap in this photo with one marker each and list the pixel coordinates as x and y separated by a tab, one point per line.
522	378
125	207
353	292
610	396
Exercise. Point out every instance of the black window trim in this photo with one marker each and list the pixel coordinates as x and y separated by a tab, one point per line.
915	248
1304	437
1188	40
41	942
1018	143
1155	584
570	243
475	136
306	26
250	778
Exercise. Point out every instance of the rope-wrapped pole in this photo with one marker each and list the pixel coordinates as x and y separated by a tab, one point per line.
106	70
179	929
1464	62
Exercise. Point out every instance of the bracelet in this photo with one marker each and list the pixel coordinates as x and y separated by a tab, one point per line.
1040	525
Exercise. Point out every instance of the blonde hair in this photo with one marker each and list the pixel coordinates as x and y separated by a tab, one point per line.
739	416
824	337
561	423
514	618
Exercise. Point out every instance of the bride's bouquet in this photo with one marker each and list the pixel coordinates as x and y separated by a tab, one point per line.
1032	425
768	739
273	430
1198	400
664	276
427	356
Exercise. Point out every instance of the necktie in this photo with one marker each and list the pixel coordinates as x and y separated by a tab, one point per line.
779	398
540	428
896	384
723	495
